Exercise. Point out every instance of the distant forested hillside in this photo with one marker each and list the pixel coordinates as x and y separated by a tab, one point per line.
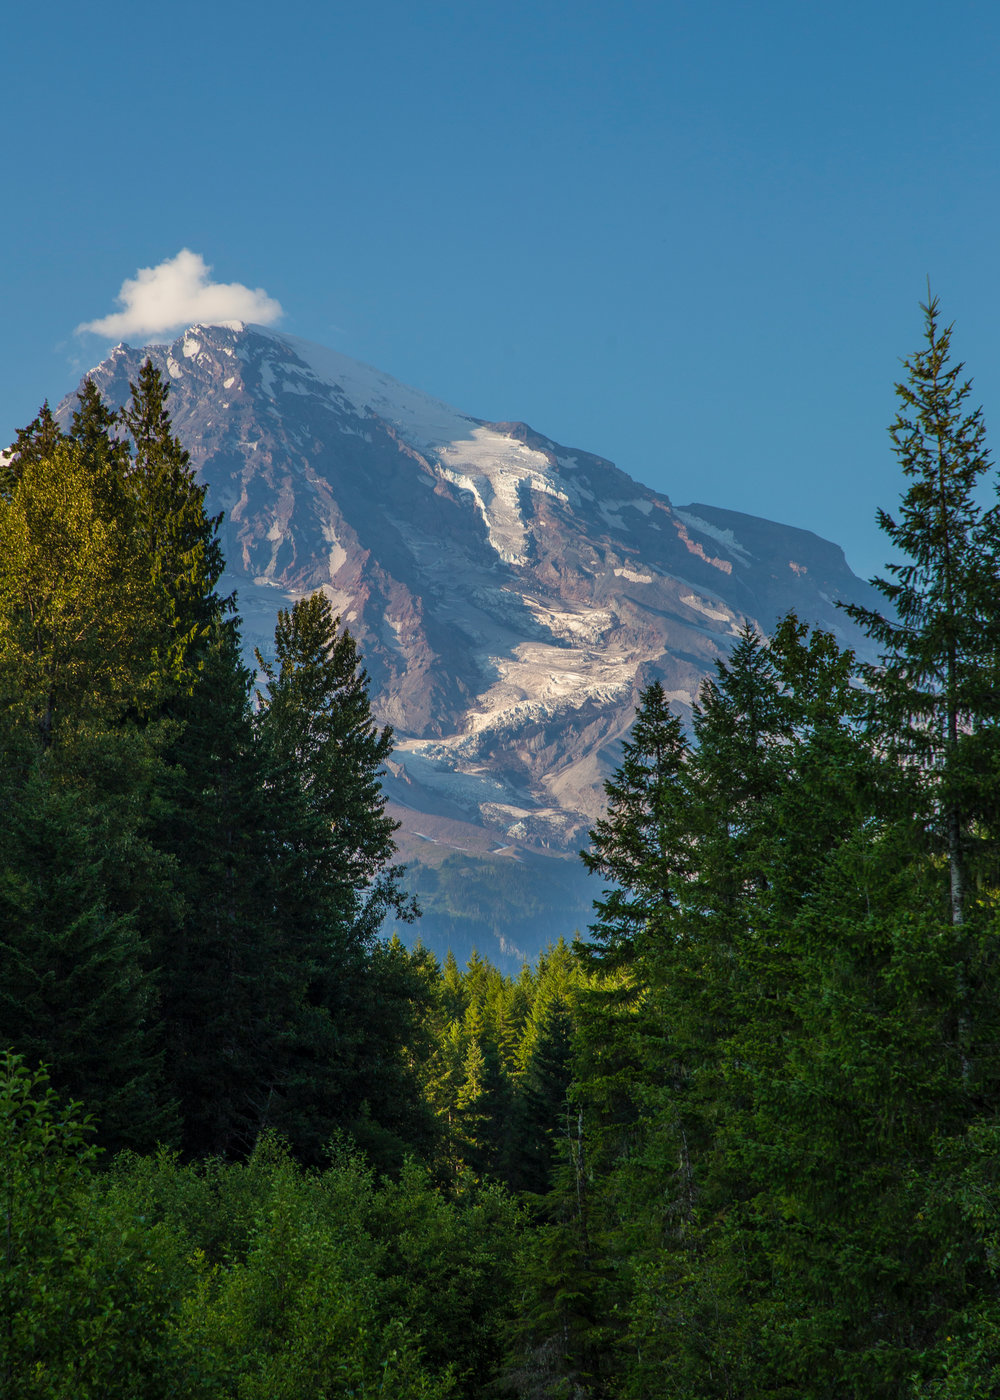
481	903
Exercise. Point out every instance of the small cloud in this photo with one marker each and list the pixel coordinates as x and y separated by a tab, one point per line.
178	293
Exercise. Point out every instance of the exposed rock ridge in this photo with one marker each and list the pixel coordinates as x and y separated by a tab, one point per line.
510	595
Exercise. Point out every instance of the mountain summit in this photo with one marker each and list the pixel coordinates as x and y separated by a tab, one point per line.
511	596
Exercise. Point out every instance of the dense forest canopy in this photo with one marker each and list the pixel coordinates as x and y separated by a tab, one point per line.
740	1141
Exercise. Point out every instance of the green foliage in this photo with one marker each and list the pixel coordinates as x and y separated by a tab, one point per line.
752	1119
43	1160
345	1058
316	720
251	1280
76	975
780	1043
77	613
180	542
936	686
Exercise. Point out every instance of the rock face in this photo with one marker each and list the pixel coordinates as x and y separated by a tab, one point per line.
511	596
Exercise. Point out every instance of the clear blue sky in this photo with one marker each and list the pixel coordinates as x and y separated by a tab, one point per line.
688	235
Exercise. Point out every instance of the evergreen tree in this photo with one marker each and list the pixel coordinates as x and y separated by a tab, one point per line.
180	540
639	847
88	670
76	992
232	977
937	686
77	614
544	1086
94	428
316	721
38	440
741	727
324	757
483	1099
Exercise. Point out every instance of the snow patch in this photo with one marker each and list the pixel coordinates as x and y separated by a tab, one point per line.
700	605
723	537
190	346
633	577
267	378
494	468
420	419
611	510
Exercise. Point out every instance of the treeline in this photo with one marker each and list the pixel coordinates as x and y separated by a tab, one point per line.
265	1155
787	1050
740	1143
192	876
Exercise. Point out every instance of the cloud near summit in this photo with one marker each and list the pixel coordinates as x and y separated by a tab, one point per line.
177	293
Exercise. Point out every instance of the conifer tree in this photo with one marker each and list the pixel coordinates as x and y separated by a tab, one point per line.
89	665
324	756
76	991
39	439
543	1091
639	846
77	613
740	728
316	721
231	975
937	685
181	540
94	427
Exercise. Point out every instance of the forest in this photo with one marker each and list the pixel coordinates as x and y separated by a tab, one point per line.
740	1140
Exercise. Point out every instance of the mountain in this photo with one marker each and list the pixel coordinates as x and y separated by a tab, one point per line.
511	597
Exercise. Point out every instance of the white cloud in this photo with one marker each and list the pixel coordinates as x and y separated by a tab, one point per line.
177	293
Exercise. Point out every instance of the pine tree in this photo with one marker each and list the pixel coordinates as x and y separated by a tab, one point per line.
316	720
639	847
232	975
180	540
936	688
77	613
324	756
76	992
38	440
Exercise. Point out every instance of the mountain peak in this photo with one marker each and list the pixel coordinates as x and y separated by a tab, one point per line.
511	596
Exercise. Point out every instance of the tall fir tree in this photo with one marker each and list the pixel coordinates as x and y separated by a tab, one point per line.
181	540
39	439
89	668
77	612
316	722
937	684
232	976
324	756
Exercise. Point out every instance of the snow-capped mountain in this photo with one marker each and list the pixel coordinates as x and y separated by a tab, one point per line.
510	595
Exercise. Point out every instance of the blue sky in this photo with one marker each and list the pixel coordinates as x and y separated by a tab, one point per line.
689	235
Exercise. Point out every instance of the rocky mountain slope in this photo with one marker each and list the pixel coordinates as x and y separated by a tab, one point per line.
510	595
